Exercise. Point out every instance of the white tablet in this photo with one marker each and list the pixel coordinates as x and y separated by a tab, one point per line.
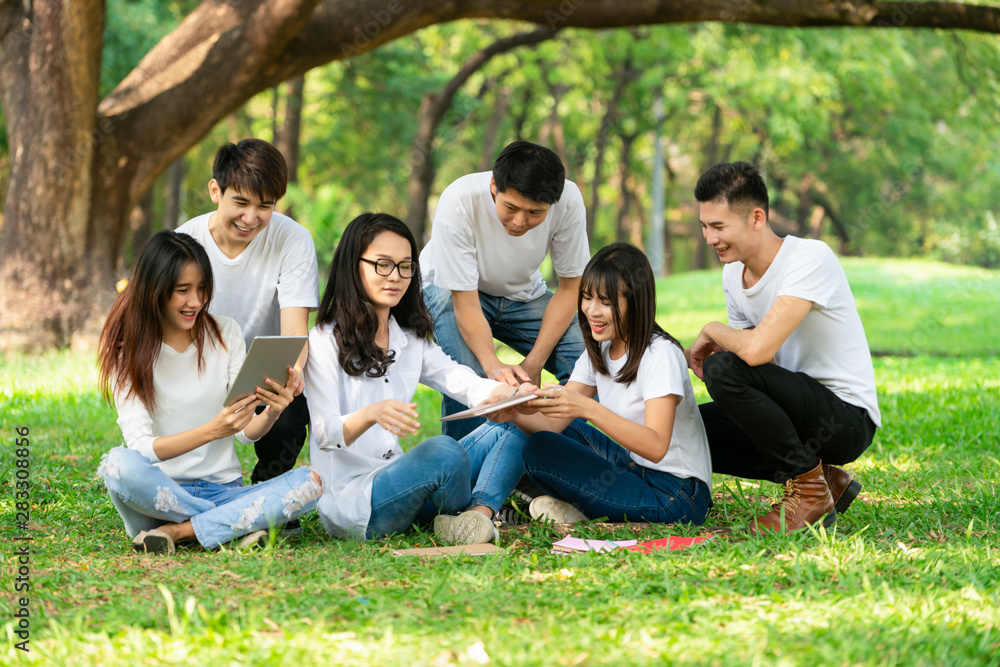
486	409
268	357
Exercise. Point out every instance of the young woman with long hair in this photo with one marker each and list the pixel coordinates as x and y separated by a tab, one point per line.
167	364
368	351
644	455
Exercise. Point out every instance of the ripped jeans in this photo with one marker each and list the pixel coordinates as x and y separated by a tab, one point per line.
146	498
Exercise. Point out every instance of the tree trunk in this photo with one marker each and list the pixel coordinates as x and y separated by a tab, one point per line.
624	231
493	128
50	254
79	164
289	132
553	127
141	222
175	183
432	110
622	77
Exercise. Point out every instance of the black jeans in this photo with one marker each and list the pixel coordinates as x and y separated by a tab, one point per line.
280	447
770	423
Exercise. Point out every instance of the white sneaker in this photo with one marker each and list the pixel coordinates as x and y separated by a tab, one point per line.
470	527
558	511
258	539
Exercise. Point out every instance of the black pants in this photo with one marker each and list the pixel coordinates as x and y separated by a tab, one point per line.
280	447
770	423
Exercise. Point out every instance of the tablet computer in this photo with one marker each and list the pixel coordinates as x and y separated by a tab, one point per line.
481	410
268	357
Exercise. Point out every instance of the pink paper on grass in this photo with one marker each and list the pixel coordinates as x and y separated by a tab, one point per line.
672	543
581	545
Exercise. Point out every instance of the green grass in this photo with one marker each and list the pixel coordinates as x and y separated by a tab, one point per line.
910	576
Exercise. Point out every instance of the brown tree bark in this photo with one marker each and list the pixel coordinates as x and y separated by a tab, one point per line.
79	164
623	76
624	229
175	184
489	151
287	137
432	110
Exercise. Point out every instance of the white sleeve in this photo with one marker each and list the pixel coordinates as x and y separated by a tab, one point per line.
569	248
662	371
298	278
136	423
811	274
441	372
583	371
322	375
456	265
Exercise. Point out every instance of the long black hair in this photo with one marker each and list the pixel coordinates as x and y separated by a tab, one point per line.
345	303
623	270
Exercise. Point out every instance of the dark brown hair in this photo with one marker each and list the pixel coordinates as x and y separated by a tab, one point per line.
623	270
132	335
345	304
251	167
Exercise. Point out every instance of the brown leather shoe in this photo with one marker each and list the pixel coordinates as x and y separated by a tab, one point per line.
843	488
806	501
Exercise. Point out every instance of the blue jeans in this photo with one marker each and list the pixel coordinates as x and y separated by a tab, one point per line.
515	323
495	454
146	498
593	472
430	479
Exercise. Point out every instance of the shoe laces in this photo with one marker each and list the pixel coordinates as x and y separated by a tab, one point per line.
508	516
790	497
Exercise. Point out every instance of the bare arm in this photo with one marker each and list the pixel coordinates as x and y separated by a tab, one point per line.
755	346
478	336
558	317
650	440
295	322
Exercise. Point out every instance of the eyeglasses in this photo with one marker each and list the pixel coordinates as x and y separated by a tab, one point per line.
384	267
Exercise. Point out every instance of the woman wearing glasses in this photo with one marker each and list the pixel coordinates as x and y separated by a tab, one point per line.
369	349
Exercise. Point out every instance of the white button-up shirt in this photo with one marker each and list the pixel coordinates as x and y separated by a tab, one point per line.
348	470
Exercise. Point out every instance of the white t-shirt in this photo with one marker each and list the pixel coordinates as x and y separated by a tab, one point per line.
348	470
469	249
663	371
276	270
830	344
185	399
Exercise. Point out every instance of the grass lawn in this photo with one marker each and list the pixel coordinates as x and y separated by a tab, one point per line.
909	576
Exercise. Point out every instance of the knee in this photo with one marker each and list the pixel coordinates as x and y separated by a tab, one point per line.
120	465
444	453
721	370
535	451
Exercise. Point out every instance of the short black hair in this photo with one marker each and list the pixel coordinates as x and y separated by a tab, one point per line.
534	171
738	184
252	167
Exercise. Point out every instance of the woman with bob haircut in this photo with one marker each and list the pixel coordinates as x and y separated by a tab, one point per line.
167	364
644	455
368	351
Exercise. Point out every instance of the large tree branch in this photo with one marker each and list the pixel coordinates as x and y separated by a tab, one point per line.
226	52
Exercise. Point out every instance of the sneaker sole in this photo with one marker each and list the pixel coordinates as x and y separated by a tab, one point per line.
558	511
258	539
150	543
461	530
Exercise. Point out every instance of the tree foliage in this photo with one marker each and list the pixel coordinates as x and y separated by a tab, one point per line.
867	135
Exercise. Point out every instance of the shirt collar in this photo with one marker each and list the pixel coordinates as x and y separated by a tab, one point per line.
397	337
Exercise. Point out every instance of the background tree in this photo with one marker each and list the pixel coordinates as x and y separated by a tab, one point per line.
80	160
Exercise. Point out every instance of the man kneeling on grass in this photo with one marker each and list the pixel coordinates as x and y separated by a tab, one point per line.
791	376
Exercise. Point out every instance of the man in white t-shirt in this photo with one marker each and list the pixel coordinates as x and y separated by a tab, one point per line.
264	264
791	376
481	270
